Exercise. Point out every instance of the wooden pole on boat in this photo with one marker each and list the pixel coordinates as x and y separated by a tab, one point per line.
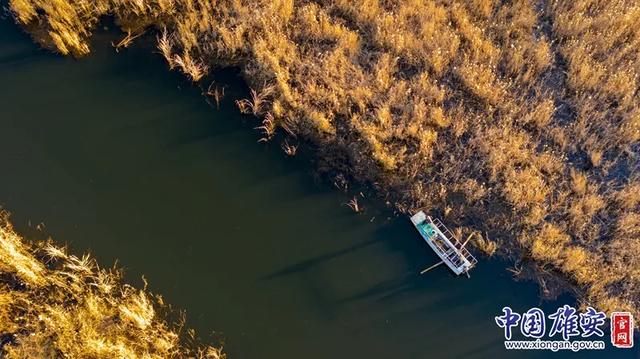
430	268
467	241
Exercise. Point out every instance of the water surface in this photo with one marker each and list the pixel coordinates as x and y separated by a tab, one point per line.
120	157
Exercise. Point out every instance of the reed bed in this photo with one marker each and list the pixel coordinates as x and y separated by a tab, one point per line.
54	304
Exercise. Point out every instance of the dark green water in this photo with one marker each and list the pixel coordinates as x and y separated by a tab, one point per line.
119	157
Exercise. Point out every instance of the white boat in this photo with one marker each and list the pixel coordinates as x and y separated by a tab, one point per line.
444	243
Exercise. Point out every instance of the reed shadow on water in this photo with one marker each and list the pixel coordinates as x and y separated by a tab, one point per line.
312	262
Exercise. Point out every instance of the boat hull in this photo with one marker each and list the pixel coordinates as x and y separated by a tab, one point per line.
440	244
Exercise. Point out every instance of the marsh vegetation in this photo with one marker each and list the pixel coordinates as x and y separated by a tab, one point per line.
516	120
55	304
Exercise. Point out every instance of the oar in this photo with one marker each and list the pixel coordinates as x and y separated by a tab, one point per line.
430	268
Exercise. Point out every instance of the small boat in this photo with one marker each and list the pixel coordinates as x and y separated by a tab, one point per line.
445	244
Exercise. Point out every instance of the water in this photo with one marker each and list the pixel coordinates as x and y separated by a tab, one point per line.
119	157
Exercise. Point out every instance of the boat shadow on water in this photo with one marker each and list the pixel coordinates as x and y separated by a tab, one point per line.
399	239
431	303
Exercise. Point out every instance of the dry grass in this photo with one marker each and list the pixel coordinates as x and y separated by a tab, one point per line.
54	304
519	119
485	245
